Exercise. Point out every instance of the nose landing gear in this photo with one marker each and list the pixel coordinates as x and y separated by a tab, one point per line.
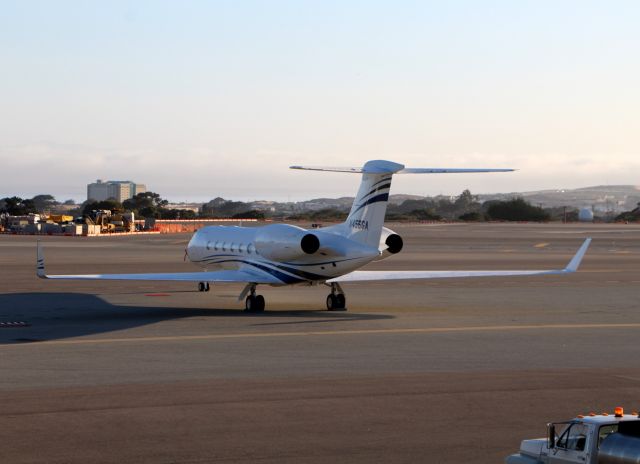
203	286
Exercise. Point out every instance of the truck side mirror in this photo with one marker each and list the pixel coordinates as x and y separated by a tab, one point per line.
551	438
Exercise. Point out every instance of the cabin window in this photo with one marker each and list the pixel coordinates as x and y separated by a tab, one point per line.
241	248
208	245
224	246
232	246
605	431
250	248
216	246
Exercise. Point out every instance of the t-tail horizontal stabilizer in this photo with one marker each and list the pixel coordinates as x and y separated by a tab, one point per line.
388	167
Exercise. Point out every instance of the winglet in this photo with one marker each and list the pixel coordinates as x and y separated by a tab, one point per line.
40	262
577	258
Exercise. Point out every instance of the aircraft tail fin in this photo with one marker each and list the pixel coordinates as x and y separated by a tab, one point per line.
366	218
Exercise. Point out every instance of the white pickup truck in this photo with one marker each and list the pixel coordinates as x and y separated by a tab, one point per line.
590	439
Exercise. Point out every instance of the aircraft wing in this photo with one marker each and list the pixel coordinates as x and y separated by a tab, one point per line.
364	276
241	276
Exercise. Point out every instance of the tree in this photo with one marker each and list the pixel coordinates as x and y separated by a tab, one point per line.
425	215
465	200
516	209
472	216
44	202
16	206
111	204
146	204
178	214
629	216
325	214
251	214
219	207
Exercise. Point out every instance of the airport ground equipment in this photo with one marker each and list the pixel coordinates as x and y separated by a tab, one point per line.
60	218
587	439
284	254
111	221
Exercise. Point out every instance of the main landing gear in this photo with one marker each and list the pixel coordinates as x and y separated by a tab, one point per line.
203	286
253	303
336	300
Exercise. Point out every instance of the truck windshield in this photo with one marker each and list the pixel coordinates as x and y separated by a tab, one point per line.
574	437
605	431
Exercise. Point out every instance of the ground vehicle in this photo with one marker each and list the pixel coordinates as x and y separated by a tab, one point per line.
591	439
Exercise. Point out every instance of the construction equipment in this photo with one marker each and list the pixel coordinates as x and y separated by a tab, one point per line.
111	222
60	218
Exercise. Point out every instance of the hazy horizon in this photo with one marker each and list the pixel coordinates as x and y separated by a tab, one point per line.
300	198
200	99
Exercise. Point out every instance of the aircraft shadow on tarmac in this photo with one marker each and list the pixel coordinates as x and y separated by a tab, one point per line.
33	317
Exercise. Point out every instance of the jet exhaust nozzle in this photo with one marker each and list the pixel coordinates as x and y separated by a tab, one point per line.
394	243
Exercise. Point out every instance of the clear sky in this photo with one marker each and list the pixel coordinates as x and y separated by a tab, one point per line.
199	99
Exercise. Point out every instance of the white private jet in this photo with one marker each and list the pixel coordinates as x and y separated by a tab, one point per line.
283	254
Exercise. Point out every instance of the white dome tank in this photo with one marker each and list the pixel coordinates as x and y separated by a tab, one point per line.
585	215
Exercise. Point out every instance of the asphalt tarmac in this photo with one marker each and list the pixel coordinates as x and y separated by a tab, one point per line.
445	371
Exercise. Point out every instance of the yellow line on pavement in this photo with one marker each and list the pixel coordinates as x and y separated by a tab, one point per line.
426	330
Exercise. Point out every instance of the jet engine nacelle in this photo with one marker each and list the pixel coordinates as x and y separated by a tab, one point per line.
283	242
390	243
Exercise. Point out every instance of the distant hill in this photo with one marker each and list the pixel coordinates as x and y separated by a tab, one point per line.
602	198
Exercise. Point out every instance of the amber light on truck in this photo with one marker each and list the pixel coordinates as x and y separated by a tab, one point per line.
618	412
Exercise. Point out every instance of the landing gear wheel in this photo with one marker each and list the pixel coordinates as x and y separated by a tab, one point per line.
201	287
254	304
331	302
336	302
206	287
